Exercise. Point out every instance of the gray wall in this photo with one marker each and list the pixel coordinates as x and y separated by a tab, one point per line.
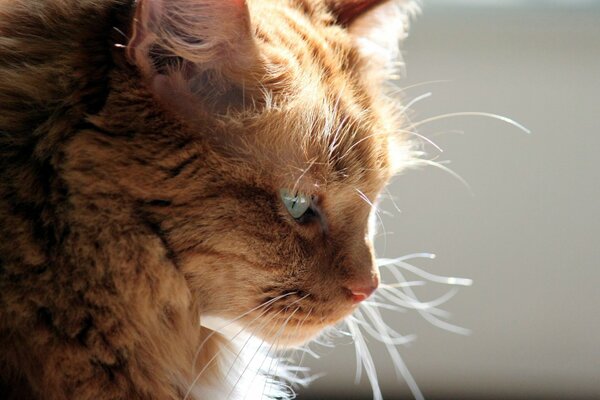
529	234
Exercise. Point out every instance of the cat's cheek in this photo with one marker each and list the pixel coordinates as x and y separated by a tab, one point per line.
214	284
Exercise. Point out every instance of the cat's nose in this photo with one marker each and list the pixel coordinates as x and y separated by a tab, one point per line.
360	292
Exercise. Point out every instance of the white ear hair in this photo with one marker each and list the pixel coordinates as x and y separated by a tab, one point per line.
192	51
207	34
379	31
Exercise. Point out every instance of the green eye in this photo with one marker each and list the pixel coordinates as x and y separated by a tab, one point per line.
297	204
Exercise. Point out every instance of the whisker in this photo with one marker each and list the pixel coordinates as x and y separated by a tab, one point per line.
445	169
401	262
391	197
255	353
191	387
219	352
258	371
414	101
335	143
209	363
385	306
304	172
279	359
364	358
121	32
276	341
300	324
404	301
447	132
428	314
377	214
231	321
429	304
391	337
422	137
307	350
424	83
472	114
401	284
399	365
347	152
403	298
250	336
398	296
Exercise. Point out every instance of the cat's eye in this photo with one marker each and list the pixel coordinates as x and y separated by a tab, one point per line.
297	204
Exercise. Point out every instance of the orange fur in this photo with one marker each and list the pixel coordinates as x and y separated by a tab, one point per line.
142	149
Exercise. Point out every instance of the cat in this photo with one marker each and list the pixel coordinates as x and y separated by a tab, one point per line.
168	162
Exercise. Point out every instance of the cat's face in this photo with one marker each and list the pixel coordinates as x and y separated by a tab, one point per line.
291	220
273	141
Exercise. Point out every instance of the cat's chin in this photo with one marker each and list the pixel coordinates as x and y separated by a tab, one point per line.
285	335
296	333
294	339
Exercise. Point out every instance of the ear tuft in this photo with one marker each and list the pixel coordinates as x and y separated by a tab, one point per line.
200	31
377	27
346	11
181	42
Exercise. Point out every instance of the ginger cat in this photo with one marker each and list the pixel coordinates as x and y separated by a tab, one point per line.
163	162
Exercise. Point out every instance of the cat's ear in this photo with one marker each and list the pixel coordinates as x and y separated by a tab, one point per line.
183	46
377	27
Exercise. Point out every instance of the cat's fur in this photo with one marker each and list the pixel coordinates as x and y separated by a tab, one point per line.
142	148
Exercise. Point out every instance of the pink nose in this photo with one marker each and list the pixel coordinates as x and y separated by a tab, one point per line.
360	293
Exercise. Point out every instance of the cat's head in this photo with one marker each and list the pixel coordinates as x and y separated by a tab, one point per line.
256	137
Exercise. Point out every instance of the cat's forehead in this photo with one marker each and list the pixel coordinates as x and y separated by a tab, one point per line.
321	143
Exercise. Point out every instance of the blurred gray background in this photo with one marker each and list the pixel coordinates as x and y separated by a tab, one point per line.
529	235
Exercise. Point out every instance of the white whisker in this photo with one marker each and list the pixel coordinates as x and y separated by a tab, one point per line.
364	358
391	197
428	314
423	84
191	386
426	139
403	300
472	114
232	321
259	369
376	210
214	358
249	362
277	338
391	337
414	101
401	284
307	350
445	169
385	306
275	373
400	262
250	336
399	365
294	377
349	150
